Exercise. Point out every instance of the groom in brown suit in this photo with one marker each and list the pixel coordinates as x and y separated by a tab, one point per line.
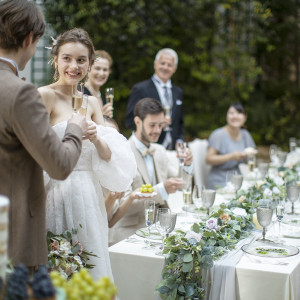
27	142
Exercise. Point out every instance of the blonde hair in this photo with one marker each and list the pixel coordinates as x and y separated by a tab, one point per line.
105	55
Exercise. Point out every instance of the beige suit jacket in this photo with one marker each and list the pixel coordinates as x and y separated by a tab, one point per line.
28	145
135	216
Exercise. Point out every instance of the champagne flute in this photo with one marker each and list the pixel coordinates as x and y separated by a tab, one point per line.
109	95
149	206
279	215
180	149
292	144
251	158
197	200
84	105
77	96
167	109
263	169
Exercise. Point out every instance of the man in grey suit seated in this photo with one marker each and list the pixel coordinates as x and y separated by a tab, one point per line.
153	167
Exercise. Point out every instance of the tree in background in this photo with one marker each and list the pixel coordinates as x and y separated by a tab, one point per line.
232	50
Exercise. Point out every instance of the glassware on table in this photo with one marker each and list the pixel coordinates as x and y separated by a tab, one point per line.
149	206
77	96
264	217
187	193
168	115
109	95
292	192
273	154
263	169
196	195
237	181
208	199
164	222
292	144
281	157
280	208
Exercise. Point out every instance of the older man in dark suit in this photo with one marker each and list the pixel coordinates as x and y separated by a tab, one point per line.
160	87
27	142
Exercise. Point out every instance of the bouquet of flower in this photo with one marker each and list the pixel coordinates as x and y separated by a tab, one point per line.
66	256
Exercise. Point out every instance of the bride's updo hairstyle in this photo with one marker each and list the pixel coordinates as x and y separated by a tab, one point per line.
75	35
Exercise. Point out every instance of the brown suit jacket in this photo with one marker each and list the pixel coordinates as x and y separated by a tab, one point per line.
135	216
28	145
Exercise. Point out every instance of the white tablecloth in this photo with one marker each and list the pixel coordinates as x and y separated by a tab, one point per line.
137	271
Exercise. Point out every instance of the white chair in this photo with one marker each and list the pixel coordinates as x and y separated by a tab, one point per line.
201	169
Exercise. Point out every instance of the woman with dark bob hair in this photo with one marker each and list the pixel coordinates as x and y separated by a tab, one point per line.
226	146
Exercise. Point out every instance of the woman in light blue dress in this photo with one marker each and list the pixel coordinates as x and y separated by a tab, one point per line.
226	146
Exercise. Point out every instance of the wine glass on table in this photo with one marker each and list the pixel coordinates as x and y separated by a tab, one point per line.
208	199
263	169
292	144
264	214
109	95
251	159
237	181
77	96
196	195
149	206
164	223
292	192
280	214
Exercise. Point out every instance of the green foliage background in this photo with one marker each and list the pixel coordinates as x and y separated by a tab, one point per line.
232	50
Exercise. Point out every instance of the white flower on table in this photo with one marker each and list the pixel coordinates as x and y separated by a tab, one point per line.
193	235
278	181
276	190
267	192
65	247
238	211
242	199
212	223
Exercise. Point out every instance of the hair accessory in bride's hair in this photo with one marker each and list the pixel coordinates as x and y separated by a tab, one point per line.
54	43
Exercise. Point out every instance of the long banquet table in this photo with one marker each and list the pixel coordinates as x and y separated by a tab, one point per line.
137	271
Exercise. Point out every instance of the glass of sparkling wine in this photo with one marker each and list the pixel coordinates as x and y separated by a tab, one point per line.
77	96
109	95
167	115
180	150
149	206
84	105
251	162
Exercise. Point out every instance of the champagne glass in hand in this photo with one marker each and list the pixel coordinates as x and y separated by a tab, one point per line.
180	149
168	116
77	96
109	95
149	206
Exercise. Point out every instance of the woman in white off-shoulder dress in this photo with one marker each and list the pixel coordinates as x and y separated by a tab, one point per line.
106	159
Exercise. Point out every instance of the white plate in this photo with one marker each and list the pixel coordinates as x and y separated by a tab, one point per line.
267	249
154	234
146	195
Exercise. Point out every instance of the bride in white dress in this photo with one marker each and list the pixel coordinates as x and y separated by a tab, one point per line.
106	159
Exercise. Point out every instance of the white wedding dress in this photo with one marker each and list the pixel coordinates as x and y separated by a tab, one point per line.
78	201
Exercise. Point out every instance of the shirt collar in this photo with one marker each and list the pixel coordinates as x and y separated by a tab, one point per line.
138	144
11	62
168	84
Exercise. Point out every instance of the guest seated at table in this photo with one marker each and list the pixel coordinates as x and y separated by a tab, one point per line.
226	146
153	167
97	77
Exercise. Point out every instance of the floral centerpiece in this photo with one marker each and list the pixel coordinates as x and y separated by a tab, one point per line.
65	255
198	248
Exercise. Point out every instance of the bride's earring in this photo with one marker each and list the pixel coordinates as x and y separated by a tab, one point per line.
56	74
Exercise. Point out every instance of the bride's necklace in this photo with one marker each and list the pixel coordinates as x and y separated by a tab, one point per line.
94	92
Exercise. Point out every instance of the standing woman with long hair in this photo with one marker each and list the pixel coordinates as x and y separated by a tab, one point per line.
97	77
106	159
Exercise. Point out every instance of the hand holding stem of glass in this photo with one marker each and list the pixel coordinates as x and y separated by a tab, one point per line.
109	95
77	95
